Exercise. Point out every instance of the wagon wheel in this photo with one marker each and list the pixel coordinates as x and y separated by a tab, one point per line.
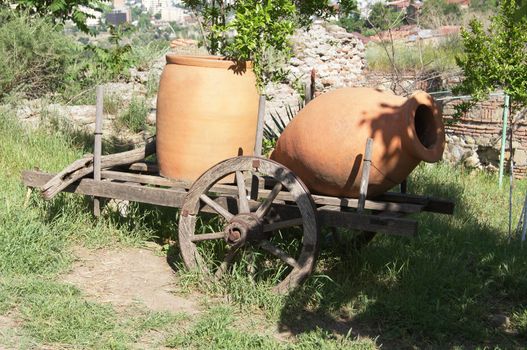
249	223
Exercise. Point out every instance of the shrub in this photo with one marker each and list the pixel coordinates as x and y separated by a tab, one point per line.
35	57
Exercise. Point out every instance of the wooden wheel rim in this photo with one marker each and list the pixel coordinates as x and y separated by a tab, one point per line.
187	222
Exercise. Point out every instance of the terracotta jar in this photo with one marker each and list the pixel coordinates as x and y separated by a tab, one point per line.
207	110
325	142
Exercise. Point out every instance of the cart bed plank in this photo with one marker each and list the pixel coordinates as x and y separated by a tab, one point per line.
431	204
284	196
175	197
107	189
367	222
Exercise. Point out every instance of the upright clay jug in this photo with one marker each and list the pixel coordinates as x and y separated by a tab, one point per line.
207	111
324	144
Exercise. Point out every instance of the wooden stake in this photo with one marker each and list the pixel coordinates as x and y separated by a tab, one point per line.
307	93
524	213
366	163
260	127
97	146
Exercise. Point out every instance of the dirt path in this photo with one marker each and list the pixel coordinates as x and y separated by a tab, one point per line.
126	276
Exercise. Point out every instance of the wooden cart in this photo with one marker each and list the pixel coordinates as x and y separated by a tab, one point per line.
263	201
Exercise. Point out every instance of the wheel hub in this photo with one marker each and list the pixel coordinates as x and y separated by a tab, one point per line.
242	228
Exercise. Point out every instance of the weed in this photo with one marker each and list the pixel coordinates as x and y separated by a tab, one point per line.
152	85
134	118
519	322
112	103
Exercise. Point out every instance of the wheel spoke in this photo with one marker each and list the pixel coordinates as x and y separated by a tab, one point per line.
282	224
266	205
255	184
229	255
243	202
270	248
217	207
207	236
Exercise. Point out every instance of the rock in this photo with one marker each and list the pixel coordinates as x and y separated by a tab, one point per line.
151	118
295	61
500	321
336	56
469	140
520	157
472	160
456	152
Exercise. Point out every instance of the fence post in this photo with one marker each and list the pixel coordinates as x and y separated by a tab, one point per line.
97	146
503	137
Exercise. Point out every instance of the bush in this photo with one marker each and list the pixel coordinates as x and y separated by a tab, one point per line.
38	59
437	13
35	57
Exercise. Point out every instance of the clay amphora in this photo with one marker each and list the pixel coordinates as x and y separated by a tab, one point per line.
207	110
325	142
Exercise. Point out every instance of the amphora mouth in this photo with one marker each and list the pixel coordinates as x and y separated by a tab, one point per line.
426	132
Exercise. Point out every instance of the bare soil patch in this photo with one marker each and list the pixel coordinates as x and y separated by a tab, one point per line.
9	335
127	276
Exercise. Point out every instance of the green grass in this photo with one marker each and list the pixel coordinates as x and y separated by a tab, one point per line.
441	288
36	238
438	290
134	117
219	329
408	57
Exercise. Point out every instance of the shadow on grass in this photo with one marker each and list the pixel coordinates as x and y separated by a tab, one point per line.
444	288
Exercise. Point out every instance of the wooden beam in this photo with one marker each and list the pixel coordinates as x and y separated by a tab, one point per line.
431	204
108	189
263	193
144	167
330	216
334	217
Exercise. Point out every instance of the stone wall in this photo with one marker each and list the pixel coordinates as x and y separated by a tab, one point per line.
336	56
475	140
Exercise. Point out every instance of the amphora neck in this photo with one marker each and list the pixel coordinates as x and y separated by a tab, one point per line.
425	133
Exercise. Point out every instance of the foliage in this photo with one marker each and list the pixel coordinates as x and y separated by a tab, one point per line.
354	23
521	10
262	31
59	11
35	57
382	17
275	126
112	62
495	58
435	13
484	5
256	30
347	7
